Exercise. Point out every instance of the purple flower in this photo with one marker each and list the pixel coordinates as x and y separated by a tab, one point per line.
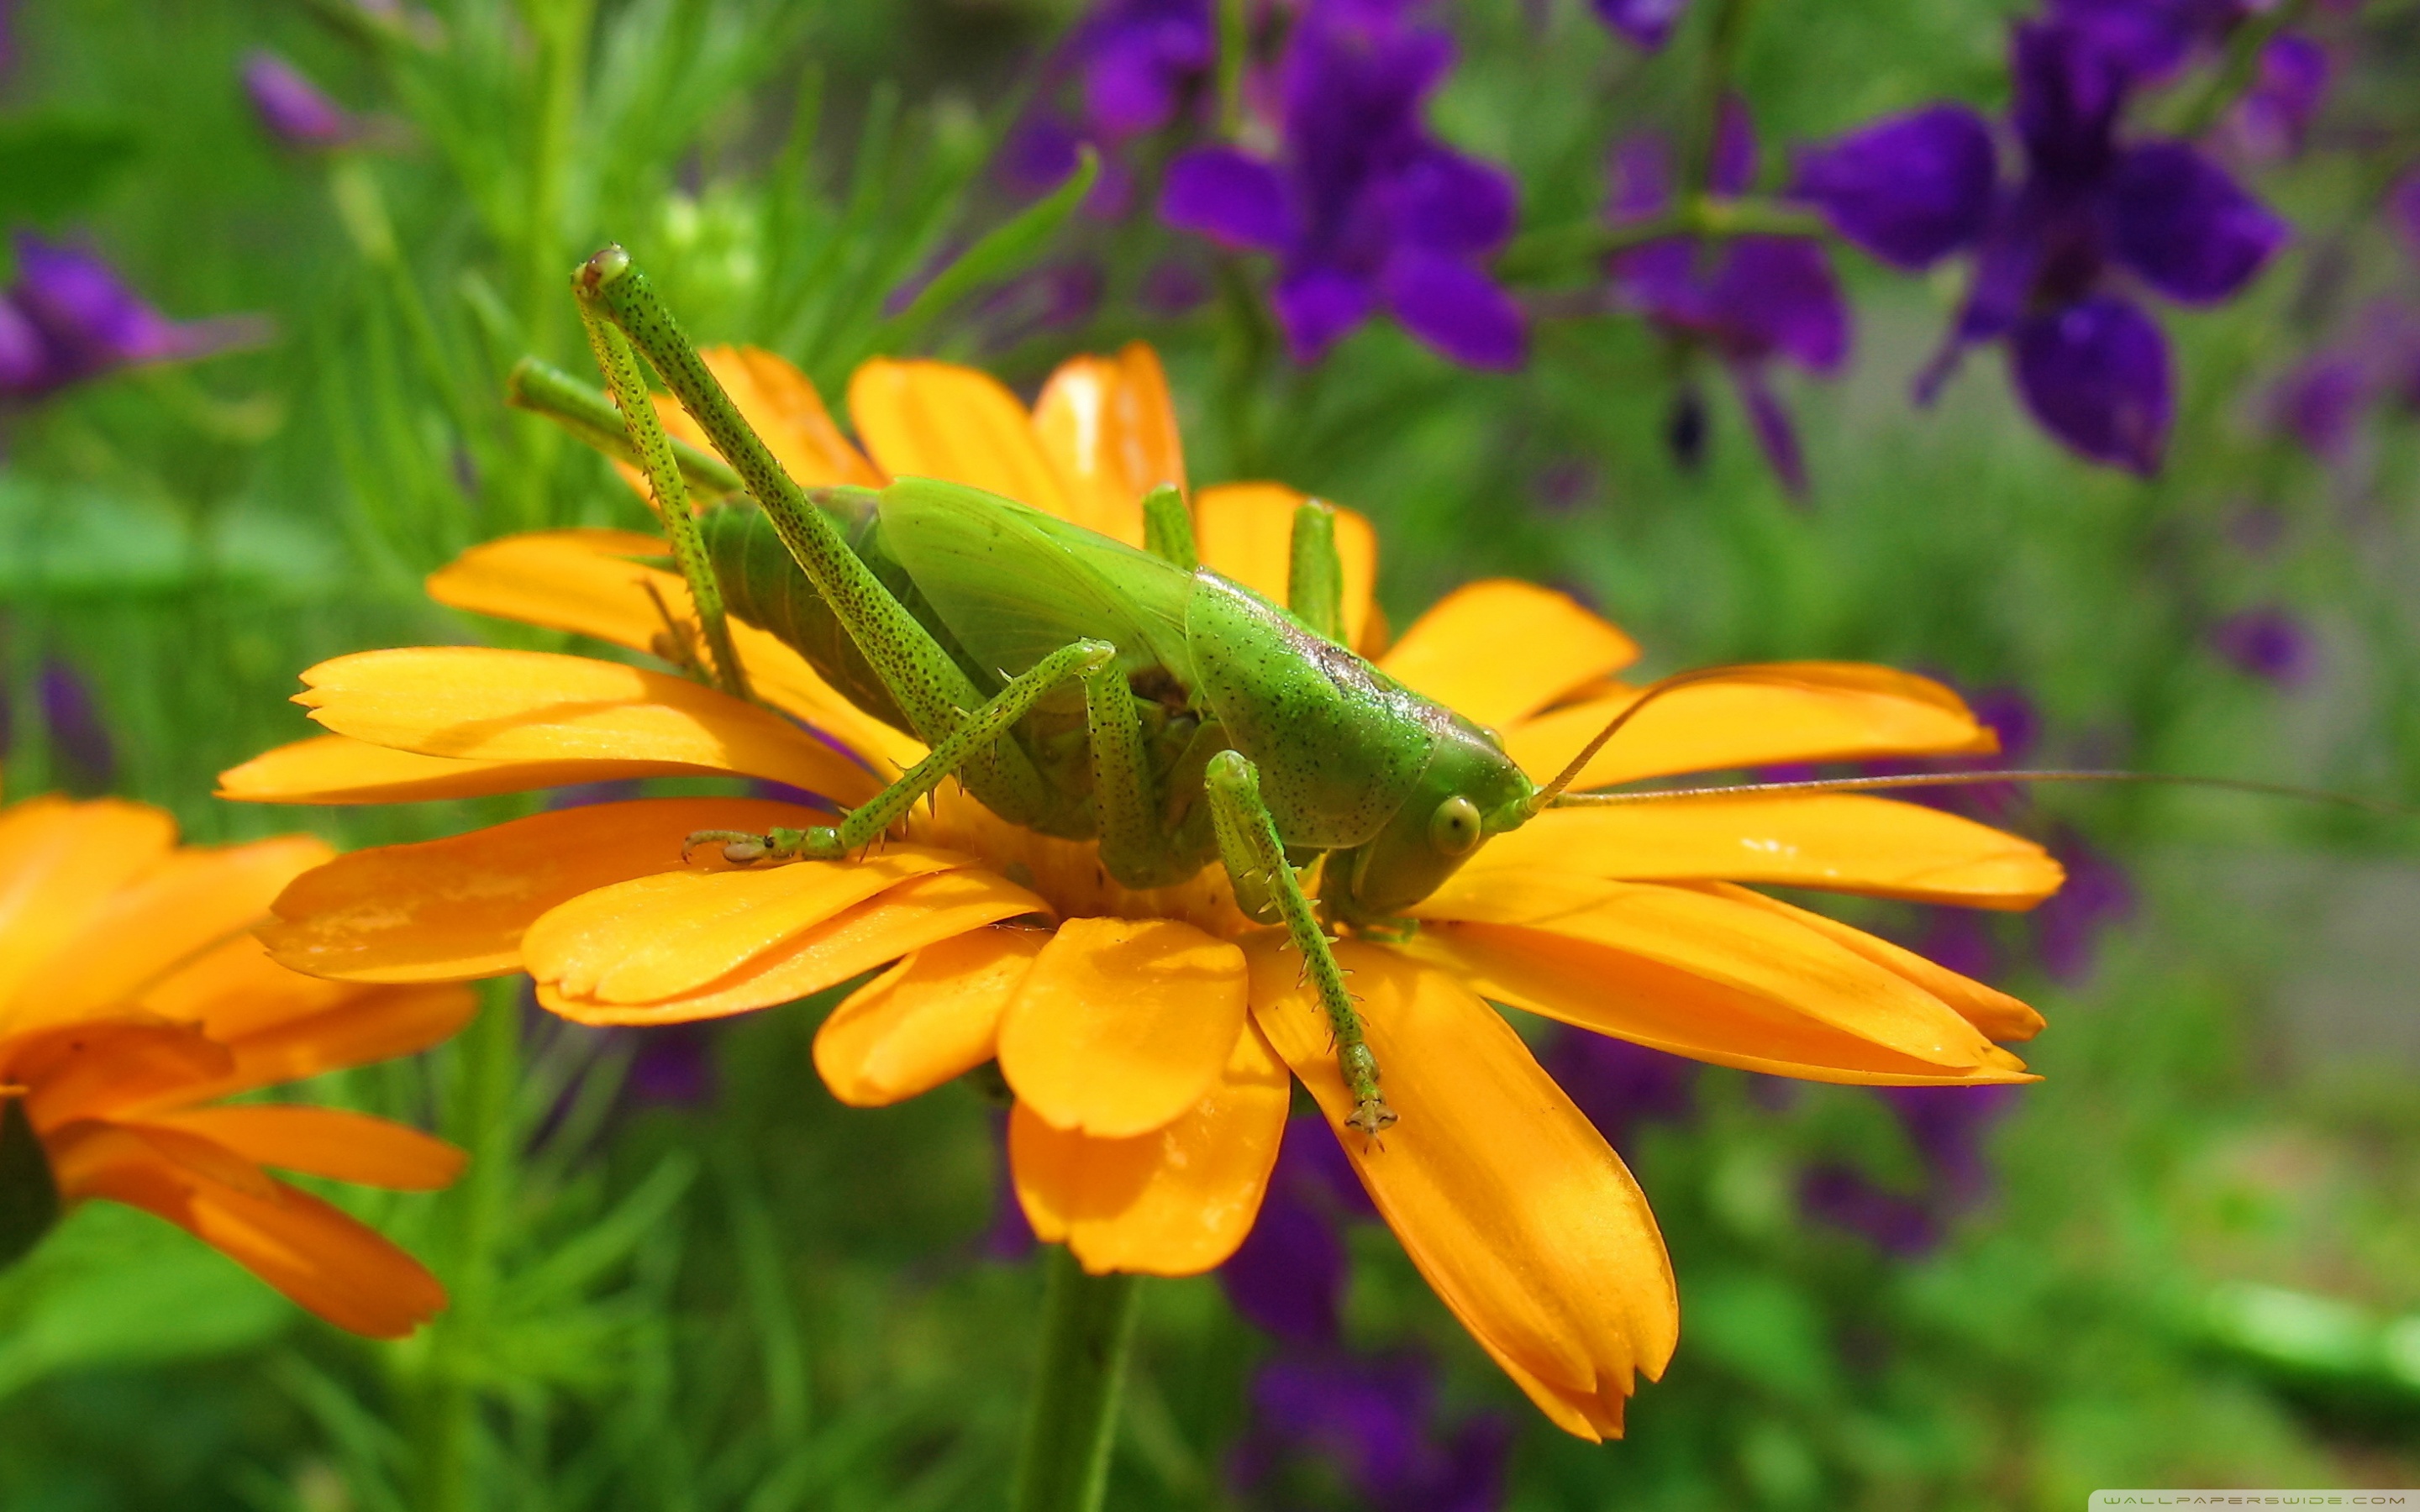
1648	24
1137	57
2269	642
1845	1198
2274	115
2058	256
672	1065
1288	1276
2323	401
293	109
81	749
69	319
1010	1237
1370	1425
1947	1125
2067	927
1132	63
1363	207
1622	1086
1750	300
2403	211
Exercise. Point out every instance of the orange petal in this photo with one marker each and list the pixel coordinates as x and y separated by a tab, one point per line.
1107	423
1176	1201
322	1258
1703	976
1805	711
236	990
1121	1024
937	420
1836	841
1457	652
193	900
1244	530
479	703
372	1023
1997	1014
61	863
586	582
331	1142
450	910
902	920
339	769
78	1070
933	1016
1505	1196
673	932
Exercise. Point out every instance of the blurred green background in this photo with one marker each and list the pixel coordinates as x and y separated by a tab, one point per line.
2196	1258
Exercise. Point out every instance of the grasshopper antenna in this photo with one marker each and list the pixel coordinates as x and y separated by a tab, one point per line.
1947	779
1552	795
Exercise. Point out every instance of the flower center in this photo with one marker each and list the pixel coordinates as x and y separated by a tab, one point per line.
1069	873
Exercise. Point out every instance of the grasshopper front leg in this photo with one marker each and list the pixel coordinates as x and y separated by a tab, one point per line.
976	733
1255	858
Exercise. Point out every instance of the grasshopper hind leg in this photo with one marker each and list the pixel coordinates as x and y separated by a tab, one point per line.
1266	885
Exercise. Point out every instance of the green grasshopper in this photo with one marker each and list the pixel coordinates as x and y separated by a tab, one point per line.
1083	689
1079	686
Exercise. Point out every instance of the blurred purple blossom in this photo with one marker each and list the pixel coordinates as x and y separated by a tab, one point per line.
2272	119
672	1065
1288	1276
83	758
1620	1085
2058	256
2323	401
1647	23
1369	1427
1750	300
1131	63
1362	205
1010	1238
1173	287
69	318
2269	642
1844	1197
2067	928
292	108
2403	211
1945	1127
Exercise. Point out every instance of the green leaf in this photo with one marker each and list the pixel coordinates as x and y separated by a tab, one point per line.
54	164
1005	251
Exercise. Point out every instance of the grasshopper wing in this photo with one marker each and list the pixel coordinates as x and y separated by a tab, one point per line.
1015	585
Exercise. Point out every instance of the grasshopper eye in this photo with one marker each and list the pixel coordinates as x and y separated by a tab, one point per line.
1454	828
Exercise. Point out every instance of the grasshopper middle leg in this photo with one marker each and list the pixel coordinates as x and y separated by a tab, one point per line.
975	734
1255	858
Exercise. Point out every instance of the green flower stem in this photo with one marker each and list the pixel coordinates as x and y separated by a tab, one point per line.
1087	1322
486	1073
1542	255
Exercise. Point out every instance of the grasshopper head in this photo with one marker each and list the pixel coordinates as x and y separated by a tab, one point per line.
1469	790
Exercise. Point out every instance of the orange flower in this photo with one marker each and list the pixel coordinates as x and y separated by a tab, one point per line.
1148	1036
134	999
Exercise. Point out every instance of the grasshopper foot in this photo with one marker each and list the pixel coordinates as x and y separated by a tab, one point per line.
1371	1114
741	848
